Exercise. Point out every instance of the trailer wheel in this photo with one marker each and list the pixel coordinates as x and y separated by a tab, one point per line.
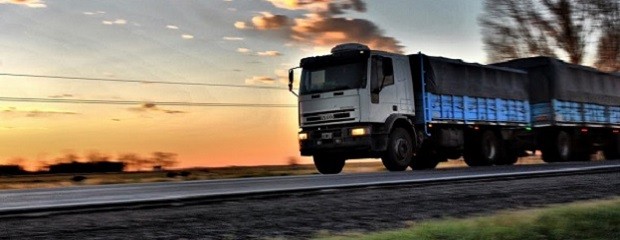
426	158
482	150
612	149
328	164
400	151
510	153
559	148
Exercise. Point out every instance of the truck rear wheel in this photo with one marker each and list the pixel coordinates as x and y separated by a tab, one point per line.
612	149
399	152
509	154
328	164
482	150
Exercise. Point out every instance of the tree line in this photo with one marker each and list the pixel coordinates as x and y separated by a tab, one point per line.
95	162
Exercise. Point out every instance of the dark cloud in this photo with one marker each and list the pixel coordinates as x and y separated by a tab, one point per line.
152	107
322	25
13	111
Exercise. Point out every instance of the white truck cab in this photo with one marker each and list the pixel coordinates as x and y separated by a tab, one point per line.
356	103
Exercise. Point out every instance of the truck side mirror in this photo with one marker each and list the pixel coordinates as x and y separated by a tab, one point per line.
291	79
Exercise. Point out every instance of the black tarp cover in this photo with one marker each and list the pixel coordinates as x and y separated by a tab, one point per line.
551	78
455	77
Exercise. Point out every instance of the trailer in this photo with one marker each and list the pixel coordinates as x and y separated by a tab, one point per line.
575	109
467	110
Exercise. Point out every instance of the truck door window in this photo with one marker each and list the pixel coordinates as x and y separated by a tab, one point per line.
379	79
378	76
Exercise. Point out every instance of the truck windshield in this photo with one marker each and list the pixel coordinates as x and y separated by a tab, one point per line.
333	78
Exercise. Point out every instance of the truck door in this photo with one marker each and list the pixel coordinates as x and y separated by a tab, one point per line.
383	92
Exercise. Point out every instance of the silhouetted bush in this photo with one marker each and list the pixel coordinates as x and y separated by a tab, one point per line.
185	173
78	178
90	167
11	170
172	174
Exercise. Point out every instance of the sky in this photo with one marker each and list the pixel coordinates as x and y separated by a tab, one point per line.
142	43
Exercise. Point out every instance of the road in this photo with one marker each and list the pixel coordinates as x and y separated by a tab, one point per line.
57	199
305	214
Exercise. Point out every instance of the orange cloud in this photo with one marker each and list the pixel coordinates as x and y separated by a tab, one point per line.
269	54
321	26
27	3
269	21
260	80
241	25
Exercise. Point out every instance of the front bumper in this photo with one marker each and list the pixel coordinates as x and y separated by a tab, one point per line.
338	141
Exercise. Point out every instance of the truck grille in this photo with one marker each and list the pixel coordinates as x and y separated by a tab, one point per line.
328	116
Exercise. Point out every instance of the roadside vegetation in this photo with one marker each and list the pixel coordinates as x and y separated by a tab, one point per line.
584	220
144	169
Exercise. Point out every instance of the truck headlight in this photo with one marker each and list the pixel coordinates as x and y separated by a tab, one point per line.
303	136
360	131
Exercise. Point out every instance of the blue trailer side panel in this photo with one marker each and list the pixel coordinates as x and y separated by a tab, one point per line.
575	113
476	110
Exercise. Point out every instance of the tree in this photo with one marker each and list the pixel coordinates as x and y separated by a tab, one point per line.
134	161
95	156
523	28
164	159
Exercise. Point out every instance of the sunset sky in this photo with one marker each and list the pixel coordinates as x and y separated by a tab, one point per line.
231	42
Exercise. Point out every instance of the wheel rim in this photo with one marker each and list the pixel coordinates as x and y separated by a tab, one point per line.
563	145
489	147
401	149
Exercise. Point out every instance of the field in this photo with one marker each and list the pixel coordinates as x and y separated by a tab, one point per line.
65	180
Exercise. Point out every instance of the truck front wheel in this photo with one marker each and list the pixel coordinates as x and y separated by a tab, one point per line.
328	164
400	151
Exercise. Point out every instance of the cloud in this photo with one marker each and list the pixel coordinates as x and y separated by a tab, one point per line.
115	22
27	3
35	113
152	107
322	26
233	38
244	50
269	21
61	96
241	25
269	54
260	80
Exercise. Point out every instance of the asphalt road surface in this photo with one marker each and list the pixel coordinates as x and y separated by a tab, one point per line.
306	214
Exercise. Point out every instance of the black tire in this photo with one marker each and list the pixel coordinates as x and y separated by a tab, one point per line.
426	158
399	152
510	153
562	147
328	164
482	150
612	148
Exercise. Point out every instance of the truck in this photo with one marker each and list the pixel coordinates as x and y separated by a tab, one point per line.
415	111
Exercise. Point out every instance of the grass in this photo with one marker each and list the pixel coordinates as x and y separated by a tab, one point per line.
580	221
